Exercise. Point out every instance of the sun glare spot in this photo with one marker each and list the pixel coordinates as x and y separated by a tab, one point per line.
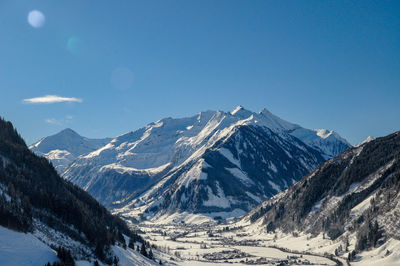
36	19
73	45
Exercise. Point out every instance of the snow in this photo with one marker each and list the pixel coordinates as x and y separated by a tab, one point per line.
195	173
123	169
378	257
128	257
158	151
57	154
274	186
237	109
317	205
273	167
323	133
370	180
241	176
326	141
218	200
192	242
21	249
68	140
60	159
368	139
99	151
254	197
228	155
188	218
361	207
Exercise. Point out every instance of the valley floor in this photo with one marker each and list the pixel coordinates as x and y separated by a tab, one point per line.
209	244
206	244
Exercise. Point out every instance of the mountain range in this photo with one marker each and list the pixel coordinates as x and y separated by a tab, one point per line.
218	164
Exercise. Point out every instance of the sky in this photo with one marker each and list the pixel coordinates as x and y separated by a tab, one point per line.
104	68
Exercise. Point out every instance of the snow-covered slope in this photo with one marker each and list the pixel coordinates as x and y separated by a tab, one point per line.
219	162
64	147
31	249
353	196
21	249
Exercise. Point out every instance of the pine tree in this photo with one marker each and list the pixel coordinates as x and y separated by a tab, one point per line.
131	244
143	251
115	261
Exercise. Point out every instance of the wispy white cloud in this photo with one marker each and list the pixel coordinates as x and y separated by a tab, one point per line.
52	121
52	99
59	122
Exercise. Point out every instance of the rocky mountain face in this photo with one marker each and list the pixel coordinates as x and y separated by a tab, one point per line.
356	193
35	200
214	163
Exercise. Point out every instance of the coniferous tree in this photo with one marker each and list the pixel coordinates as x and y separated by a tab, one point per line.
143	250
115	260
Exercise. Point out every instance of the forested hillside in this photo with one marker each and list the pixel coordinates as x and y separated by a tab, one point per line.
355	193
32	192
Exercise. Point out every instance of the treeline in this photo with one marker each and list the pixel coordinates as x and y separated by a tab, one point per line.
36	191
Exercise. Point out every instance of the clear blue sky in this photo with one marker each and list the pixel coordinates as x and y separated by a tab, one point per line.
321	64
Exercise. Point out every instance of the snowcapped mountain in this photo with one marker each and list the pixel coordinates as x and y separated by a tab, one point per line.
327	142
228	177
353	197
218	163
64	147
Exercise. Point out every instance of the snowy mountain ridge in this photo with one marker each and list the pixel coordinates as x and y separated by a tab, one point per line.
149	170
64	147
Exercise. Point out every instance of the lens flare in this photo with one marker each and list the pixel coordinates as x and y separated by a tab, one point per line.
74	45
36	19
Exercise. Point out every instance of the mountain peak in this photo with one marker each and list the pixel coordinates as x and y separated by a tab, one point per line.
265	112
68	131
237	109
241	112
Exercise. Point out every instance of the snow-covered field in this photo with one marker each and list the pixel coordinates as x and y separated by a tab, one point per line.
21	249
204	244
209	243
